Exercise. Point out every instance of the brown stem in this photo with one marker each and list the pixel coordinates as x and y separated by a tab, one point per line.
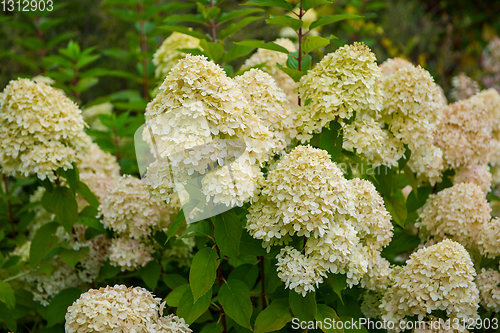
301	34
263	283
213	25
118	154
220	279
11	216
144	47
58	181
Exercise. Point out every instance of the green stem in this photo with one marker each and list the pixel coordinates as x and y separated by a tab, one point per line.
11	216
220	279
263	283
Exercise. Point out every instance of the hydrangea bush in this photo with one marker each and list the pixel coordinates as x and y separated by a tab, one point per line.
248	184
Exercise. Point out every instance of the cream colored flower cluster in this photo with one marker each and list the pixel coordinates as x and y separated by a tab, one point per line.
459	212
477	174
392	65
270	103
465	132
489	239
233	185
488	283
132	214
376	145
41	130
168	54
412	106
299	272
120	309
201	120
463	87
345	221
439	277
342	83
268	59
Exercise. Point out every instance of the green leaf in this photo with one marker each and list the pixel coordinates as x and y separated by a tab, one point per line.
384	176
235	27
7	295
312	43
183	30
86	83
7	317
404	159
213	328
234	296
150	274
72	257
338	282
174	297
247	273
396	206
325	312
203	271
212	13
411	179
332	140
214	51
179	220
59	304
185	18
73	177
274	317
263	45
270	3
108	271
293	73
43	242
236	52
50	23
228	229
308	4
87	194
302	307
332	19
174	280
88	217
86	59
238	13
285	21
250	245
191	310
63	204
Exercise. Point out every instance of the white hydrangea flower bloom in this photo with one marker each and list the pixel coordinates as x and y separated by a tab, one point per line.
129	210
376	145
488	283
412	106
129	254
489	239
299	272
491	99
268	59
463	87
439	277
308	191
427	163
40	128
343	82
270	103
122	310
392	65
465	132
477	174
458	212
168	54
233	185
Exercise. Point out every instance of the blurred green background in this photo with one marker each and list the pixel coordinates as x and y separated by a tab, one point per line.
445	37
